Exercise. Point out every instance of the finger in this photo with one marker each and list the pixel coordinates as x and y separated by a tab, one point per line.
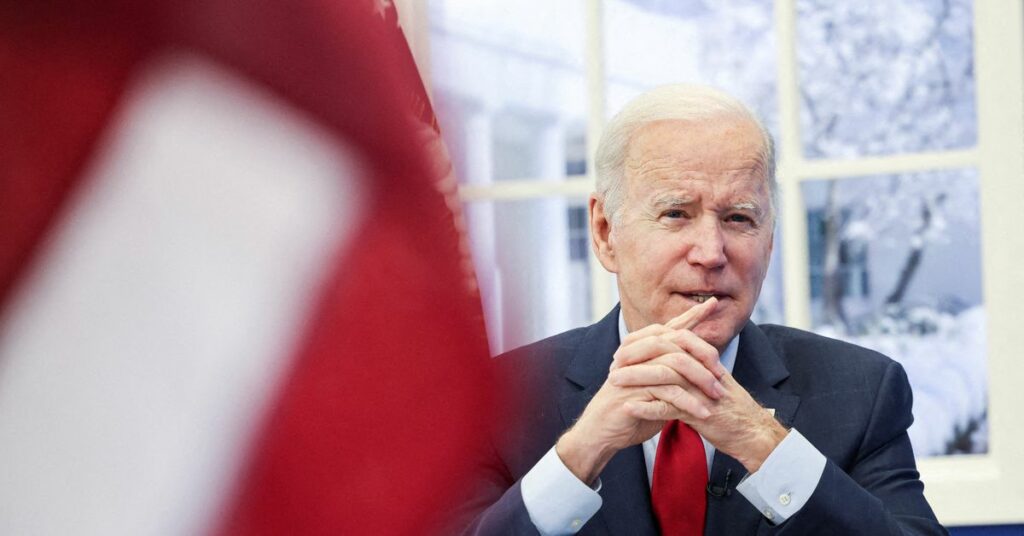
651	410
642	350
653	329
670	369
700	349
694	315
644	375
668	402
689	403
693	372
729	382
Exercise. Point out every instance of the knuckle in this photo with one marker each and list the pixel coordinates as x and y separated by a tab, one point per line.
647	331
662	409
666	374
676	394
708	356
674	360
687	366
667	394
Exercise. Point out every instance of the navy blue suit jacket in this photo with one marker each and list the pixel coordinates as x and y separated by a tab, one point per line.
851	403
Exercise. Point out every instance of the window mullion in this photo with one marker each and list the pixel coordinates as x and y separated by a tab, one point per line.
602	298
796	279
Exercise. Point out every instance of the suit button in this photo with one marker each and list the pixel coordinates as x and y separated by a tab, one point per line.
784	499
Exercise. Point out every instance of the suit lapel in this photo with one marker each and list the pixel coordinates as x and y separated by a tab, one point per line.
589	367
624	489
761	371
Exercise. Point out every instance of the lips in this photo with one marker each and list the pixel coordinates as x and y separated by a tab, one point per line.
702	296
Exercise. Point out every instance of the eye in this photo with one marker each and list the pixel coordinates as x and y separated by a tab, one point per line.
674	214
739	218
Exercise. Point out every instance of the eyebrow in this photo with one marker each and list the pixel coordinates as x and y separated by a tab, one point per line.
673	201
748	205
678	201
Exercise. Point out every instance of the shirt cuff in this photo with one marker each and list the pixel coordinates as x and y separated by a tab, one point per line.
557	501
786	479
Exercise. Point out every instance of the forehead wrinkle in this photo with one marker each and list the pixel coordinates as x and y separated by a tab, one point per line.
666	167
707	159
671	168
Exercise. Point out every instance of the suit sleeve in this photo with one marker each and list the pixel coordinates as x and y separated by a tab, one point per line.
506	515
881	492
493	499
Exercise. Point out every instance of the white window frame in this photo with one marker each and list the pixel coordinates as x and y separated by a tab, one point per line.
963	489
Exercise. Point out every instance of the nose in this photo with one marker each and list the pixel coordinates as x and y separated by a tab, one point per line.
707	247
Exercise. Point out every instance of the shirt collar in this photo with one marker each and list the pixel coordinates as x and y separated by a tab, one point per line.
728	357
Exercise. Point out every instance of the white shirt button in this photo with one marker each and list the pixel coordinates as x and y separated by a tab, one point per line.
769	514
576	524
784	499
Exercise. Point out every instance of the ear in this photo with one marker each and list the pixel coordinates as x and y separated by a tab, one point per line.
601	234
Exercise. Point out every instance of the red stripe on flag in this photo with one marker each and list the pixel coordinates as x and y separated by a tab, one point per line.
60	79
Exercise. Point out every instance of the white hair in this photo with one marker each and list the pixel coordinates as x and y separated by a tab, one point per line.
674	102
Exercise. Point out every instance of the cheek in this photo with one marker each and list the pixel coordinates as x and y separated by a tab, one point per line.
632	250
655	260
751	260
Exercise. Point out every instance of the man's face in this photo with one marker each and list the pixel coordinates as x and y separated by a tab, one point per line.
695	222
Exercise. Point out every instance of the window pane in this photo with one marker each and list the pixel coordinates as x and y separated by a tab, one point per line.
729	45
885	77
771	305
895	266
509	87
532	264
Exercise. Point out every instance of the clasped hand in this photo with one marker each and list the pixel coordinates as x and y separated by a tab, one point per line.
660	373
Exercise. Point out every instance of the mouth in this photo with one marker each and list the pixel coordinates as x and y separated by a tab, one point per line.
702	296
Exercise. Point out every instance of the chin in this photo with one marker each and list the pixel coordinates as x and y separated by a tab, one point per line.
717	334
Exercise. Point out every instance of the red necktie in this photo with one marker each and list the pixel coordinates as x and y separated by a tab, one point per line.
680	476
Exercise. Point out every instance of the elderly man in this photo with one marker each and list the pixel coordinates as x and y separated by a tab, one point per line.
675	413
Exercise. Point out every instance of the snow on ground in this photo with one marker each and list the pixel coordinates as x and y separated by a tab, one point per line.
947	371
